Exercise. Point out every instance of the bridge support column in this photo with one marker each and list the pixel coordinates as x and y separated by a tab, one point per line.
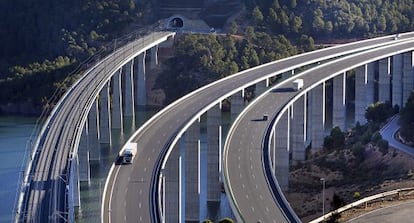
141	80
213	153
384	80
261	87
154	57
318	116
105	117
192	173
237	104
83	156
172	186
129	90
117	118
93	135
74	172
298	129
339	107
397	64
282	151
370	88
408	78
360	92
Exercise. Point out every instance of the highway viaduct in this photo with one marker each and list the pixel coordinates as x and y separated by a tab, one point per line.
75	121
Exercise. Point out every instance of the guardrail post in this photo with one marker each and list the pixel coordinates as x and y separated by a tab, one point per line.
105	117
339	106
397	64
192	172
408	77
213	153
298	129
117	119
318	116
384	78
282	151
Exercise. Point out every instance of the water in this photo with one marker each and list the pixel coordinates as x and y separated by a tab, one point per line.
14	135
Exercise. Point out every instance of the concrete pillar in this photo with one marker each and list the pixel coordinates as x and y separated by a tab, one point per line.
318	116
192	173
360	92
129	109
154	57
408	78
339	106
141	80
384	76
237	103
261	87
83	156
93	134
282	151
397	64
172	173
272	148
298	129
74	172
117	118
370	92
105	117
213	153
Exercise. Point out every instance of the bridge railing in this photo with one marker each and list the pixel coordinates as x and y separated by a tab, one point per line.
32	144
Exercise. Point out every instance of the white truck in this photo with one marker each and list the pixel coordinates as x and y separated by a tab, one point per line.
128	153
298	84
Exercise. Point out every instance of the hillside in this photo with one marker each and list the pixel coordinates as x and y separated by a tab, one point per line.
44	40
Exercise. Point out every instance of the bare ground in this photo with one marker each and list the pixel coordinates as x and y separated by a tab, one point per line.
344	176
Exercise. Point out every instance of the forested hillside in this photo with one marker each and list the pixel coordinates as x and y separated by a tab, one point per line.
44	40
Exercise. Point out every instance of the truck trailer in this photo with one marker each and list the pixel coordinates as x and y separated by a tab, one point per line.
298	84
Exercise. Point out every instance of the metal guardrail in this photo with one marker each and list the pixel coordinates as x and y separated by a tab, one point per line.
364	201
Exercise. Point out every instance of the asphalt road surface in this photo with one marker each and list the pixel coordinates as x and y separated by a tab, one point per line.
401	213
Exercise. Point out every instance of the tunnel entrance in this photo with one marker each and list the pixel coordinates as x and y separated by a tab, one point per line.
176	23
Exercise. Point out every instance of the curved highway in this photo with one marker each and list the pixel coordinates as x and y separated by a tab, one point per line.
130	194
388	133
246	164
396	213
44	196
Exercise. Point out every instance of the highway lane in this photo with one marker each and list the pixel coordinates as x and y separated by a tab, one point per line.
396	213
45	200
243	166
129	191
388	133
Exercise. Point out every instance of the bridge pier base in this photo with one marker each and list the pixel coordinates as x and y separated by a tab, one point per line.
298	129
93	134
213	153
105	117
397	64
408	78
282	151
318	116
117	118
141	80
192	172
384	80
339	106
